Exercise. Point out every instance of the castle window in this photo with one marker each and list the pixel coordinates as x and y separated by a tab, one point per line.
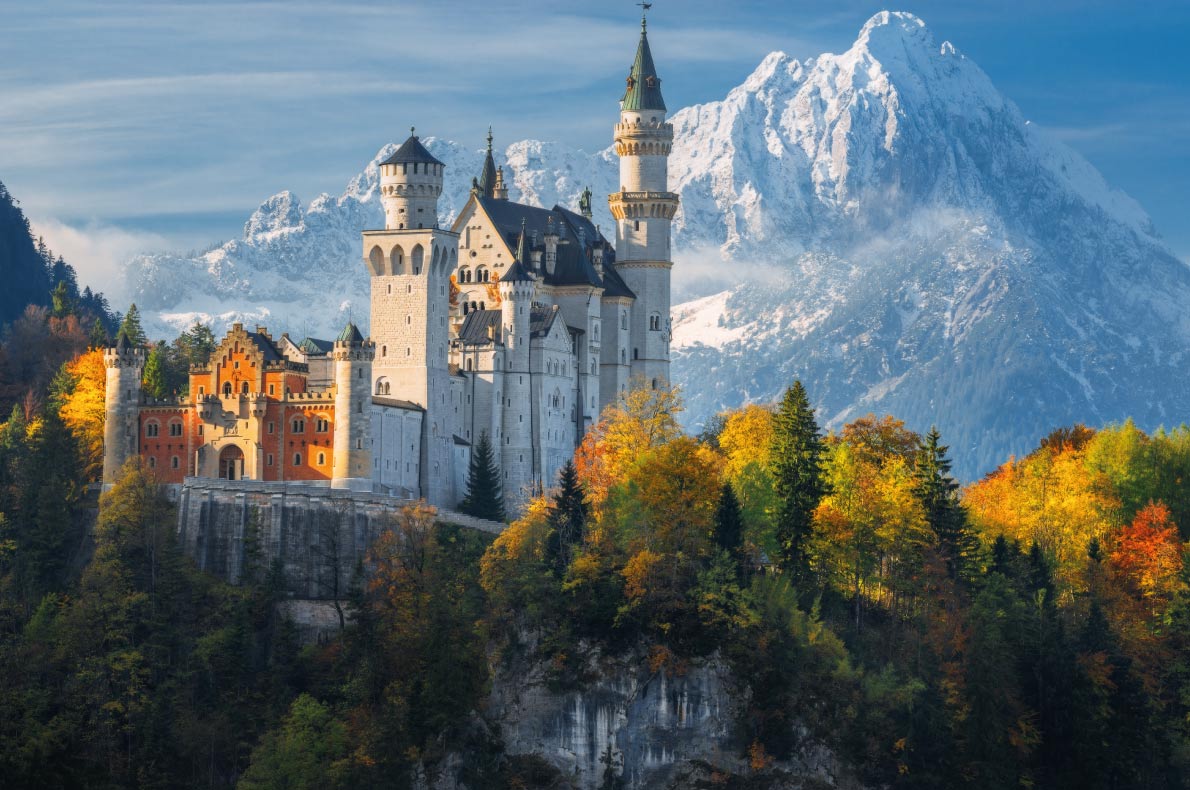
270	427
173	462
244	388
360	373
151	429
297	459
152	462
636	225
623	357
636	353
321	426
384	351
272	389
227	389
236	364
299	426
175	429
200	430
270	459
359	444
655	322
654	383
202	391
322	459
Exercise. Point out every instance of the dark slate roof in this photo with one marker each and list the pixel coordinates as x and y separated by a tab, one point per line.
397	403
541	320
577	236
474	331
517	273
644	86
411	151
487	178
270	352
461	442
350	334
315	347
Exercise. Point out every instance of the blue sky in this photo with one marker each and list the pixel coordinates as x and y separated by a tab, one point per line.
163	124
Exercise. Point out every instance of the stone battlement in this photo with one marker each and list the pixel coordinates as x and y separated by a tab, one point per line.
318	534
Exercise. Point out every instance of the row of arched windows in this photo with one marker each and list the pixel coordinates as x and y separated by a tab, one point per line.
481	275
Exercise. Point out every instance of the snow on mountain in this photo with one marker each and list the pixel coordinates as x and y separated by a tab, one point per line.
881	223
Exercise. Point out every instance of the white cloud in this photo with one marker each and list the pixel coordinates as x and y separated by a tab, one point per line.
98	252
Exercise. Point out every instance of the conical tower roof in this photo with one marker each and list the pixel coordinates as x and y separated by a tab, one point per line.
644	86
350	334
487	178
411	151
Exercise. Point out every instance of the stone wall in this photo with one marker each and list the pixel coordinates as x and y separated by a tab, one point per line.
317	533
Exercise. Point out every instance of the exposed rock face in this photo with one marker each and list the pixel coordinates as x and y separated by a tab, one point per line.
658	729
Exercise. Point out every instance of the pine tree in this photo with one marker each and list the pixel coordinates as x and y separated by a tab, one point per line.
567	519
98	337
729	522
131	327
797	472
939	496
153	378
63	304
484	498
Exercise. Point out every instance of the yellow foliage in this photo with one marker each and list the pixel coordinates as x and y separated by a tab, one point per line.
83	409
1050	497
677	487
746	438
638	573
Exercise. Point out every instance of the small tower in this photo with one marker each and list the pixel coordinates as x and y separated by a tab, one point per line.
410	262
353	357
410	184
517	288
499	190
644	208
125	365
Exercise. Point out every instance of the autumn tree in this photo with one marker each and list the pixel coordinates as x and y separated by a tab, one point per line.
82	407
796	458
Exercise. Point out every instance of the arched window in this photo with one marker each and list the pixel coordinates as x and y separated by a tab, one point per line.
416	258
636	353
322	459
244	388
227	389
623	357
152	429
173	462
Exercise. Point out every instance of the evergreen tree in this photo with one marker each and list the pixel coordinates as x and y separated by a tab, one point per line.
98	337
729	522
131	327
484	498
567	519
153	379
939	496
63	304
797	472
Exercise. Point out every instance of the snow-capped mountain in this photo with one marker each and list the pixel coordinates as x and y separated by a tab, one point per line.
882	224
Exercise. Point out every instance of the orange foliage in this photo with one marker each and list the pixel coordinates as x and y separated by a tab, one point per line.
1148	553
876	439
677	486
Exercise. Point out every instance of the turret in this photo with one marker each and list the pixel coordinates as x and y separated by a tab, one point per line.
644	208
517	287
486	183
353	357
410	183
499	190
125	365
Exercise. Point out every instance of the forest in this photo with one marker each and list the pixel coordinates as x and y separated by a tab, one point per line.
1030	629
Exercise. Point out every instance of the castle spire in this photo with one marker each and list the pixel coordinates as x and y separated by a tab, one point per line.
487	178
644	86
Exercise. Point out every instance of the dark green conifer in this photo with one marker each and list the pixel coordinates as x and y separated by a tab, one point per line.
131	327
153	379
939	495
729	522
797	472
98	337
484	498
567	519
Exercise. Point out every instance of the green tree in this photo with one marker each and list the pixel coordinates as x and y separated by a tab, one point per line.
484	498
153	378
131	327
98	337
567	520
729	522
63	303
308	751
797	473
939	496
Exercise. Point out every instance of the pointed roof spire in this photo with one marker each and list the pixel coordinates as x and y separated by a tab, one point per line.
350	334
520	245
644	86
487	177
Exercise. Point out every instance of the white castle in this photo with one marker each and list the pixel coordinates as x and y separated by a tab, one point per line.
519	323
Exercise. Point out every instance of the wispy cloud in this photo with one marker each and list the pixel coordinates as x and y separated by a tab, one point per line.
98	252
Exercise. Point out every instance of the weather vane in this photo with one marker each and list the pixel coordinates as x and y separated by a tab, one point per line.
644	10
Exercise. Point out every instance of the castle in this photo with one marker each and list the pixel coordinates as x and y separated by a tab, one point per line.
518	323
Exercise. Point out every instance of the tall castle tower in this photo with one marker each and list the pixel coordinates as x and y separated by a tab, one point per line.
125	365
410	262
352	468
517	287
644	208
